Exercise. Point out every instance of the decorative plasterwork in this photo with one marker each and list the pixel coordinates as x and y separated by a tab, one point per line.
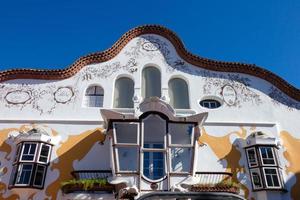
42	99
180	49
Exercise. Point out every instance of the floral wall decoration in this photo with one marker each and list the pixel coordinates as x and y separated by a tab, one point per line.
105	71
233	88
42	99
279	98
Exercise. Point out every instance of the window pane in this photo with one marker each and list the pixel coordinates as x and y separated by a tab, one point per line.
24	174
124	91
45	150
94	96
252	157
271	177
151	82
39	175
154	165
179	94
267	155
126	132
128	158
181	133
210	103
154	130
181	159
256	178
29	151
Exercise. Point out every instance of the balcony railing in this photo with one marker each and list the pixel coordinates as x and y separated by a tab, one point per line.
213	177
91	174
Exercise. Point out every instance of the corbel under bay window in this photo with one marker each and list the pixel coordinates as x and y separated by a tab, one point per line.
30	164
265	170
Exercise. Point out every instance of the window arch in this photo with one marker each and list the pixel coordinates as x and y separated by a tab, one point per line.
124	91
151	82
94	96
179	94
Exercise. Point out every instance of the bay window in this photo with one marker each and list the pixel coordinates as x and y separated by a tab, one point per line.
153	147
30	164
265	170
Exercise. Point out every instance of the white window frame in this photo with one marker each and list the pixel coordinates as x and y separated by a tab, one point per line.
170	144
19	172
153	150
127	144
44	173
40	150
35	152
256	170
262	160
278	177
116	145
255	155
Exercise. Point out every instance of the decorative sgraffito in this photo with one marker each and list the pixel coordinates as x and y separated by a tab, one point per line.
291	154
233	88
279	98
224	149
42	99
107	70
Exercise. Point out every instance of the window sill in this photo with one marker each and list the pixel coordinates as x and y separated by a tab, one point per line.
271	189
25	186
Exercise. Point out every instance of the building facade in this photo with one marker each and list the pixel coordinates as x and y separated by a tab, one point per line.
146	119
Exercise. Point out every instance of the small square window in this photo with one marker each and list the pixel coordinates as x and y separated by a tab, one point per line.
181	134
256	178
28	153
271	177
252	158
126	133
24	174
44	153
267	156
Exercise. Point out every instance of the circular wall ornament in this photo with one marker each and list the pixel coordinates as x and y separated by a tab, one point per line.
150	46
229	95
63	95
17	97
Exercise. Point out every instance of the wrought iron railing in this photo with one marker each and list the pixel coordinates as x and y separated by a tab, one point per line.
91	174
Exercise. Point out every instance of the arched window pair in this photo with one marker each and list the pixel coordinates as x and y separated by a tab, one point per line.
178	88
151	86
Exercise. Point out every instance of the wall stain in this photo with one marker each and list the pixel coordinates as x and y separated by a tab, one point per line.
291	153
75	148
224	149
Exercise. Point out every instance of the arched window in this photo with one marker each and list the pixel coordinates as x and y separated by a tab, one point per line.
179	94
124	91
94	96
151	82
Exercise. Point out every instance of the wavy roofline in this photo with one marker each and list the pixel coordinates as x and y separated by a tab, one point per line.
110	53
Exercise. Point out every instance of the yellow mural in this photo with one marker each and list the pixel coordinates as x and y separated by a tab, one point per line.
291	154
224	149
75	148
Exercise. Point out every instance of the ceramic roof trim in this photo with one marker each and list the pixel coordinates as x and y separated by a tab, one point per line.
110	53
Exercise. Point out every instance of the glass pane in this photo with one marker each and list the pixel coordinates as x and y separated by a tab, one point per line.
128	158
29	151
252	157
154	165
124	91
181	159
151	82
126	132
181	133
154	130
39	175
267	155
44	153
24	174
179	94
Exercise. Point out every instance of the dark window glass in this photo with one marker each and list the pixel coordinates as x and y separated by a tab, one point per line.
44	153
29	151
24	174
210	103
39	175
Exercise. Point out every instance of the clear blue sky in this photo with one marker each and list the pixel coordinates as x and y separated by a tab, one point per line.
54	33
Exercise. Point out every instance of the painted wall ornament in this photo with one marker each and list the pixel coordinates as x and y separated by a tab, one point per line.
63	95
229	95
18	97
279	98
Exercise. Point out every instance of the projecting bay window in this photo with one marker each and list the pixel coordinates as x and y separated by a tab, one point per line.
264	168
30	164
153	147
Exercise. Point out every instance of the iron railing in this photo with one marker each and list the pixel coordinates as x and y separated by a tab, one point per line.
91	174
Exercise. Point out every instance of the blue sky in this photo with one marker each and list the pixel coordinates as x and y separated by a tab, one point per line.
53	34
